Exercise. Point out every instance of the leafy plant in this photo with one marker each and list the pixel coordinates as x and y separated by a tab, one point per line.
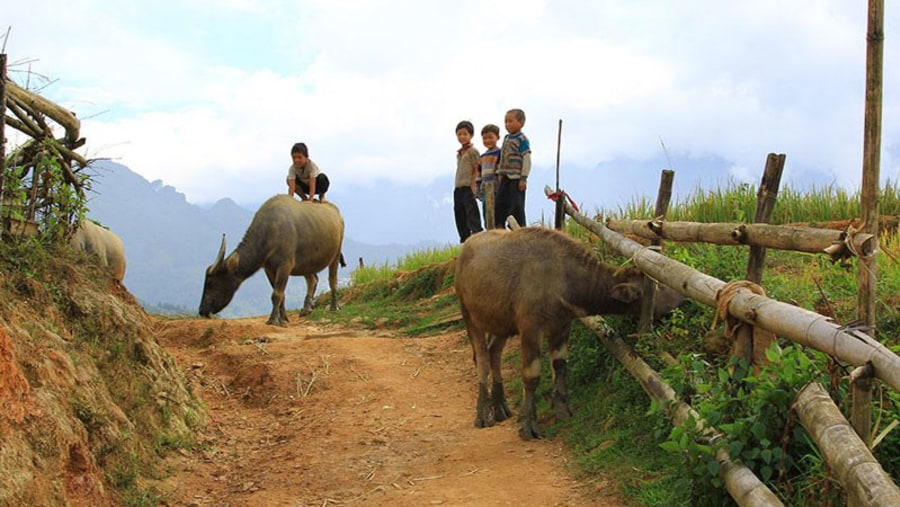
753	411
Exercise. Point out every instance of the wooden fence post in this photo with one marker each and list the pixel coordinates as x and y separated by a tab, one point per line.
559	218
869	195
663	196
861	383
748	344
865	307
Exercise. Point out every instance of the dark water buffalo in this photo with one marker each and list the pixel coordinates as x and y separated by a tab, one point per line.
102	243
533	282
286	237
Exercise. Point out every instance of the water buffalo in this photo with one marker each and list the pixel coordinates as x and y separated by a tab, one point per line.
102	243
533	282
286	237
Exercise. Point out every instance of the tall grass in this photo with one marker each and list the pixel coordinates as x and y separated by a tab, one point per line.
410	262
736	202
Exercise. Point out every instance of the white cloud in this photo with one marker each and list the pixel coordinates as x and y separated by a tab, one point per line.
375	88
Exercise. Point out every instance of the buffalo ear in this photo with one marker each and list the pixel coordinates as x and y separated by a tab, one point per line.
231	264
625	292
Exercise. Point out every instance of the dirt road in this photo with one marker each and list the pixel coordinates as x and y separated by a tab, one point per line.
319	416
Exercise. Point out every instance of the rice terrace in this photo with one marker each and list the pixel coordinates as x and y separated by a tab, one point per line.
737	346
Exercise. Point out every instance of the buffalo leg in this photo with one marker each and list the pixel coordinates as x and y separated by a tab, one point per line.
311	282
498	398
483	416
278	279
531	376
559	352
332	283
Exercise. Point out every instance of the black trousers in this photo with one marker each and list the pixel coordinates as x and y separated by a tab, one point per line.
510	201
322	184
465	210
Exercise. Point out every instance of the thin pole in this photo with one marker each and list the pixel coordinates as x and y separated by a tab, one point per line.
558	143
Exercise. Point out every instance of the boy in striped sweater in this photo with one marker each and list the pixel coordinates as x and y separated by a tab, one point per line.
513	170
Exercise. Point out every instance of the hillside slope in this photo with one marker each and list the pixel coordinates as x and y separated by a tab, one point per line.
89	402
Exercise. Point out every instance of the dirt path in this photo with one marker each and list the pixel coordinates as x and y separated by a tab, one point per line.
319	416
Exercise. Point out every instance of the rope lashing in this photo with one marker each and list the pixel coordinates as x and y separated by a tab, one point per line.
555	197
723	299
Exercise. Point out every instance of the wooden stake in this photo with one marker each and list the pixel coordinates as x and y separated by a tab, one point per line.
663	197
749	344
865	310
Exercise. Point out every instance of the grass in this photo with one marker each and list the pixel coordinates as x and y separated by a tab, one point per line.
614	434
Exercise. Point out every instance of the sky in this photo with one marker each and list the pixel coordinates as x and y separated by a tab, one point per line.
208	96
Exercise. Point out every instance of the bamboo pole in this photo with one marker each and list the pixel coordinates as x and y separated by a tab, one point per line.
845	454
740	482
836	244
796	324
663	197
871	158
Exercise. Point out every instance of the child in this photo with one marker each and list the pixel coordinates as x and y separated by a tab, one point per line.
513	169
465	209
305	174
490	134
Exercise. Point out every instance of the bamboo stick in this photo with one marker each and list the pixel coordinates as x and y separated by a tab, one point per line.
845	454
837	244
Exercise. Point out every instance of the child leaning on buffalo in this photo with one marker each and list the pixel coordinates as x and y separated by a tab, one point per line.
304	177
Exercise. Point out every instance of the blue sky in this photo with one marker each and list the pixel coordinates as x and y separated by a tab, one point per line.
208	96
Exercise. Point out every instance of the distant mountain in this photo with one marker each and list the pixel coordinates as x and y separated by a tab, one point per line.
169	242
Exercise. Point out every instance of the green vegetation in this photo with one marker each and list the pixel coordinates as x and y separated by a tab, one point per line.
61	206
616	432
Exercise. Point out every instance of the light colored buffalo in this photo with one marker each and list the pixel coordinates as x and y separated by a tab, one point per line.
285	238
102	243
533	282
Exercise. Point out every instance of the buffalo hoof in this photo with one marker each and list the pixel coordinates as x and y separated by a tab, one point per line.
561	407
528	429
279	323
502	412
482	421
304	312
501	408
483	416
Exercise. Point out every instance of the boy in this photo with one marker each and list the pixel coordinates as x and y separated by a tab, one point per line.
465	209
305	174
490	134
513	169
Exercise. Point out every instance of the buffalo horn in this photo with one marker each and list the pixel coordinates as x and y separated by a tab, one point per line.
220	257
